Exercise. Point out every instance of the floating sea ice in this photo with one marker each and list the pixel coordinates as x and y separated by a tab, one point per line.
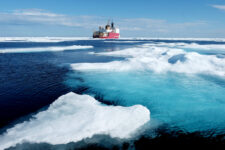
188	45
73	117
43	49
160	60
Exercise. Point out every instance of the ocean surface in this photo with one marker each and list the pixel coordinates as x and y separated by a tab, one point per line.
131	93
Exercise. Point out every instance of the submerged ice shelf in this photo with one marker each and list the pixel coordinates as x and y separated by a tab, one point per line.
182	89
191	103
73	117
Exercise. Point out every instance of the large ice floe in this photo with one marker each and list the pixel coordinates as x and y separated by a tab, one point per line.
43	49
73	117
159	60
188	45
177	39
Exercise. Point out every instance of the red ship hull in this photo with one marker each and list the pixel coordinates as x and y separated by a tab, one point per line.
111	35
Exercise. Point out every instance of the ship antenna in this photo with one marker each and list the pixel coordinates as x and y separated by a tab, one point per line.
112	24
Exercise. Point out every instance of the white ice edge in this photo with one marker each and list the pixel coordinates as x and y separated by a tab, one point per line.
188	45
61	39
73	117
176	39
42	39
43	49
157	59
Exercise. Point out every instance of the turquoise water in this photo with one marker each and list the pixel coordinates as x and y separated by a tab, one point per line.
188	102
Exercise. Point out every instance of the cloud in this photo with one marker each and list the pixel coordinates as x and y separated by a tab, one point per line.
36	16
221	7
39	16
160	26
35	12
86	24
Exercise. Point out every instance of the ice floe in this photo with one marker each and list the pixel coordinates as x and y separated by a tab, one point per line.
41	39
73	117
43	49
158	59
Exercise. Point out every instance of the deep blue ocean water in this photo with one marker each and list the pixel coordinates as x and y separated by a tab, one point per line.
184	98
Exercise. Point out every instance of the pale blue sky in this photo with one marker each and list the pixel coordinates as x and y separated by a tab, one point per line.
135	18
